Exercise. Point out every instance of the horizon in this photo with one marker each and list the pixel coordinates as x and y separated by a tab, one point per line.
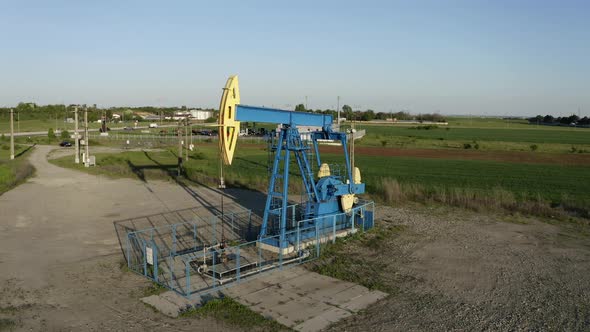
457	59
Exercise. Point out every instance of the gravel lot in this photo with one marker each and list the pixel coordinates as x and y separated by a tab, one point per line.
460	270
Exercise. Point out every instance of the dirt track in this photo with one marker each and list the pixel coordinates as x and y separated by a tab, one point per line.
60	261
515	157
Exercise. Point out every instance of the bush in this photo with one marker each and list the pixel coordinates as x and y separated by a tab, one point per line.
383	143
573	149
466	146
533	147
65	134
476	146
3	137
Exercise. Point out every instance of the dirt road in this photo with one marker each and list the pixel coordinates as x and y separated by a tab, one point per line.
59	256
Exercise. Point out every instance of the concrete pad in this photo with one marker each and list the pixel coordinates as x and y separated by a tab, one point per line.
363	301
170	303
322	321
303	300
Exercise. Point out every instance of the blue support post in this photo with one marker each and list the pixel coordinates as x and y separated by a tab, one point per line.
334	229
214	270
283	225
174	239
238	264
187	265
128	251
155	260
144	258
317	239
195	236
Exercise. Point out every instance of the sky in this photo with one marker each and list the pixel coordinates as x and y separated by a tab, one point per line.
498	57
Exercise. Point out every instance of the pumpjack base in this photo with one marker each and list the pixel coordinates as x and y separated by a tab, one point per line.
289	248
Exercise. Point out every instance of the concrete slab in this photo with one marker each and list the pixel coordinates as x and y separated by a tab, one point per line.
170	303
303	300
322	321
294	297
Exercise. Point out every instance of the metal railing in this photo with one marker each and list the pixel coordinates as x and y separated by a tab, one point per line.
208	254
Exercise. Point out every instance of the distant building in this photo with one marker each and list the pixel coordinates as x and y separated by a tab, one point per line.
201	114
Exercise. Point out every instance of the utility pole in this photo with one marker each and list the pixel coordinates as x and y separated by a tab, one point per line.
186	137
179	133
338	109
11	134
76	136
86	138
18	122
306	103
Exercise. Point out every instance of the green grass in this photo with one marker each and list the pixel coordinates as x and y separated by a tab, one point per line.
525	180
234	313
539	135
13	172
556	184
153	289
7	324
39	125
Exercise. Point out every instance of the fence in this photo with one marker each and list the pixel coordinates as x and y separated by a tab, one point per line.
208	251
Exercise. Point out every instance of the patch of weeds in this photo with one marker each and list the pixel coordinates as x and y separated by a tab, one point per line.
153	289
123	266
341	260
376	237
235	313
8	310
7	324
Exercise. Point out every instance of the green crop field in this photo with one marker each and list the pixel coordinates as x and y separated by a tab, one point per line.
529	135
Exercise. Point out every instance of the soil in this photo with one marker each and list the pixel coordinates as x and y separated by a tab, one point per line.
459	270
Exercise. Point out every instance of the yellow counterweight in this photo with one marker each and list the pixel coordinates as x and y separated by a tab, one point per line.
229	128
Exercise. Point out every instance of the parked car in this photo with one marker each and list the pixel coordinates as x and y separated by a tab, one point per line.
153	125
65	144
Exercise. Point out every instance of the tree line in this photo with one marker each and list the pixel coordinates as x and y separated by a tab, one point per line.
572	120
370	115
32	111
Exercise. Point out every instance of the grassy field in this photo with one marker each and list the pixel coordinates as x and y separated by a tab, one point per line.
13	172
39	125
511	138
426	179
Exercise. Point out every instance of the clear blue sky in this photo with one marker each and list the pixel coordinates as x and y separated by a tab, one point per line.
458	57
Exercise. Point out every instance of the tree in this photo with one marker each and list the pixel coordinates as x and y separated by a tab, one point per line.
368	115
347	110
50	134
300	108
65	134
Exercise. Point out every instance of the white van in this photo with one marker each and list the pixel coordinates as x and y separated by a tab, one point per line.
153	125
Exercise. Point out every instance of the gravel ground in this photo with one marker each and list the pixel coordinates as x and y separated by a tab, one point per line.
448	269
460	270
